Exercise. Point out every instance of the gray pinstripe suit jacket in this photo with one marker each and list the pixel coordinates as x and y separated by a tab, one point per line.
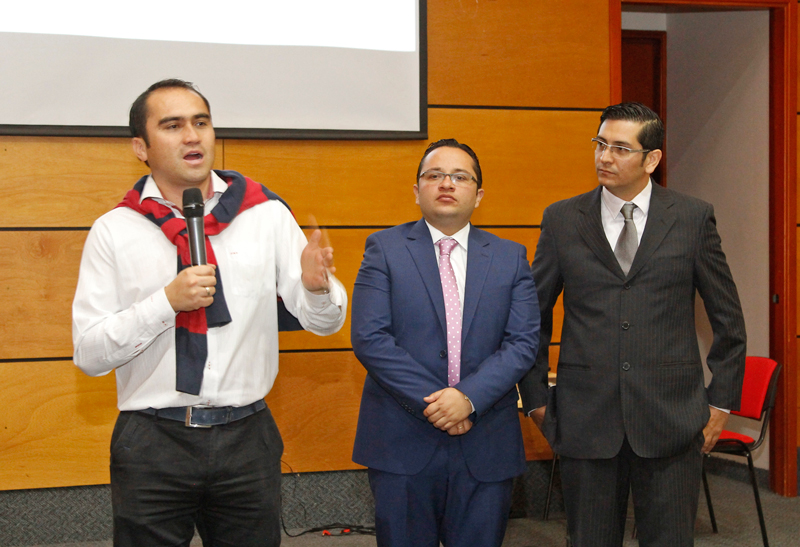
629	362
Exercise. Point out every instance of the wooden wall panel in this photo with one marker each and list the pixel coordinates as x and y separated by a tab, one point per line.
56	425
348	251
536	446
319	426
518	53
58	431
555	351
362	183
40	273
70	182
529	159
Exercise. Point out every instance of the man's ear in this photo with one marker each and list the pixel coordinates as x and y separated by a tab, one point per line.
416	194
139	148
478	198
651	161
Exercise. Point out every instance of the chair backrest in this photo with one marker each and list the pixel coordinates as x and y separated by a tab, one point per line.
760	387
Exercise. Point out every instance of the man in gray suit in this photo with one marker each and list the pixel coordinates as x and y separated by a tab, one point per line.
630	410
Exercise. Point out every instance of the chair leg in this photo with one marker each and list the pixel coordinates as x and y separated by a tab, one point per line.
708	498
550	488
758	499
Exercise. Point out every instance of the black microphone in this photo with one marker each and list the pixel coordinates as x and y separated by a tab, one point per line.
193	212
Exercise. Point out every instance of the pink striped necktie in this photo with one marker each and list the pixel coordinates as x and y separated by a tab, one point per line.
452	306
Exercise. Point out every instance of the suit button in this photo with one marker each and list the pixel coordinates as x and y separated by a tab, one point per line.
625	326
443	354
626	286
626	366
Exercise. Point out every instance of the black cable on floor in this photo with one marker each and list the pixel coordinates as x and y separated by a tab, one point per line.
343	529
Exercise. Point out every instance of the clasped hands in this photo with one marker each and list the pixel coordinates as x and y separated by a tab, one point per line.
448	409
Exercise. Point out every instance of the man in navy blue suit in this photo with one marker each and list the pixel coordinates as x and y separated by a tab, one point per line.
446	321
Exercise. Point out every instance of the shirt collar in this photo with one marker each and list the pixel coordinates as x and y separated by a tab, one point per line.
614	204
461	236
151	190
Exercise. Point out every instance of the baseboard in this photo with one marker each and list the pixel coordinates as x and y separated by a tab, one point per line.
83	513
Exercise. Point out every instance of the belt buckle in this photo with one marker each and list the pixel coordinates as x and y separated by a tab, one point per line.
188	422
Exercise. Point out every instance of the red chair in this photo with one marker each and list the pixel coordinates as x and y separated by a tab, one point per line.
758	399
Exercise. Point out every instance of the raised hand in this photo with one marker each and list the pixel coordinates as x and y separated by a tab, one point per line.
316	262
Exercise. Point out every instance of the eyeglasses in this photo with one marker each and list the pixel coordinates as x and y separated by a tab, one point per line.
459	179
618	152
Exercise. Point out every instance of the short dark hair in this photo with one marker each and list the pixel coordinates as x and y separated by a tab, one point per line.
452	143
137	120
651	136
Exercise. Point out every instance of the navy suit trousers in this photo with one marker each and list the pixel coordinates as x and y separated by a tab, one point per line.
442	503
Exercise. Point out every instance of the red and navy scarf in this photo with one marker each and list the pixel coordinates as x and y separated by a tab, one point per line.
191	344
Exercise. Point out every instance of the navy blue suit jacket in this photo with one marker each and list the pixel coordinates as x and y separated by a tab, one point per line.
398	334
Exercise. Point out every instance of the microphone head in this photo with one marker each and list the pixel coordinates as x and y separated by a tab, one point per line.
192	203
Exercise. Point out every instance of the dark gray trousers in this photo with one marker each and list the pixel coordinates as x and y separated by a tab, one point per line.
167	478
665	496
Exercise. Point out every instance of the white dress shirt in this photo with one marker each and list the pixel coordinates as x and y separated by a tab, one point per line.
611	213
123	321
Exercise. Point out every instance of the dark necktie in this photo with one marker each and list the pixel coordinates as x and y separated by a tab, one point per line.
628	241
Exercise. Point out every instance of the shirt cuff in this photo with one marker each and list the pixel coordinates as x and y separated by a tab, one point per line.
534	410
157	306
336	295
725	410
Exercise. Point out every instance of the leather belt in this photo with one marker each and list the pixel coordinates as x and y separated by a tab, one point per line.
206	416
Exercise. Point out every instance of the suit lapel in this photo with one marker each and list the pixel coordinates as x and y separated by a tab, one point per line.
420	246
590	228
479	257
660	218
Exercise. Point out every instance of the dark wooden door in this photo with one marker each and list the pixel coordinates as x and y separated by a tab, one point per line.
644	78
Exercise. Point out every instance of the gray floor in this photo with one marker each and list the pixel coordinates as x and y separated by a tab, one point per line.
733	504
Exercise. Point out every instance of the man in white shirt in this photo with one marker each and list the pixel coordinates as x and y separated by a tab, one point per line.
630	410
445	321
195	348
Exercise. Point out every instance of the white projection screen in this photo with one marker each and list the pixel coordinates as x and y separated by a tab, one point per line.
306	69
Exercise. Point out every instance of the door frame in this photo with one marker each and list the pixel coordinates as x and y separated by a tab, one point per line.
660	175
783	226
